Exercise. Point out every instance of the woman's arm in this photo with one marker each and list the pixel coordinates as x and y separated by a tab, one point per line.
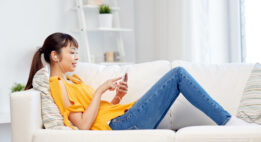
90	114
83	120
116	100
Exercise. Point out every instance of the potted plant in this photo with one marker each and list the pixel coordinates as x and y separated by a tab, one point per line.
105	16
17	87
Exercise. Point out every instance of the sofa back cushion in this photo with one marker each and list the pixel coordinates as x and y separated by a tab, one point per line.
224	83
141	77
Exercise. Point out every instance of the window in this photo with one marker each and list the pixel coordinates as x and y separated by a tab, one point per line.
253	30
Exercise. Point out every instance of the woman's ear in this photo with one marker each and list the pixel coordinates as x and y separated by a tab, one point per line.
54	56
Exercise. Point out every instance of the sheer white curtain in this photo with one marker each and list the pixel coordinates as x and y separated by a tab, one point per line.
251	30
206	31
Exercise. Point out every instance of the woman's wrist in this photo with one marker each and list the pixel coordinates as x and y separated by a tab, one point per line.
116	100
119	98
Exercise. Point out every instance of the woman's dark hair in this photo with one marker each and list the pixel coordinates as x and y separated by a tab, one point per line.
54	42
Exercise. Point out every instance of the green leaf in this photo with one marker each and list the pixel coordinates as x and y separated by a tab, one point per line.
17	87
104	9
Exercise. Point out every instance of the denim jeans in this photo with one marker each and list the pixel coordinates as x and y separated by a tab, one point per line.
151	108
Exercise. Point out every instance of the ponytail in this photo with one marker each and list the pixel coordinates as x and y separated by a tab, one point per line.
36	65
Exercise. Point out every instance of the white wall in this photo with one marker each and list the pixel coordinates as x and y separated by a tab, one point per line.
145	29
155	22
159	30
24	25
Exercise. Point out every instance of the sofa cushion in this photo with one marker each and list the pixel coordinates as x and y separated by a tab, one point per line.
102	136
51	116
250	104
224	83
219	134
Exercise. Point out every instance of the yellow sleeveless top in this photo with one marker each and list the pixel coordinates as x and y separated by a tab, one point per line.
80	95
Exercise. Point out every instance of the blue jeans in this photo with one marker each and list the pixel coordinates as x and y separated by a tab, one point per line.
151	108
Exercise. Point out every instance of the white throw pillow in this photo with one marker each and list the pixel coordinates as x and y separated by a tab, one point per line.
51	116
250	104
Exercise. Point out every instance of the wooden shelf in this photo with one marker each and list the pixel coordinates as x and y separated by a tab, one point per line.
105	30
88	6
109	30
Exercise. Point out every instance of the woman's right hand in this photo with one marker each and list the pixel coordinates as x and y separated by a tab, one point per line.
110	84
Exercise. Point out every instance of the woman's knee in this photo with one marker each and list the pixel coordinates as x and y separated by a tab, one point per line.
179	70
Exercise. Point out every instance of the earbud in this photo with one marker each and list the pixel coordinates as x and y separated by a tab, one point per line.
56	58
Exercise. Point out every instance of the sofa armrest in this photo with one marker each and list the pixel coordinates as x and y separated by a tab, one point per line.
151	135
25	114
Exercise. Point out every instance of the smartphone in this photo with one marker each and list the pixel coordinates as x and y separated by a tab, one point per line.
125	72
123	77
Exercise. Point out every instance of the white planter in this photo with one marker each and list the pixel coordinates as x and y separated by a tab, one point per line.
105	20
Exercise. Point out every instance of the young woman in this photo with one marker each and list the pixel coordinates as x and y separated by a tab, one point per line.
82	108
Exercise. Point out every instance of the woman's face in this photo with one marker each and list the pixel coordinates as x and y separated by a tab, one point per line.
68	58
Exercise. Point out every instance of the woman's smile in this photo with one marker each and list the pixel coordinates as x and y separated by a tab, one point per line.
74	64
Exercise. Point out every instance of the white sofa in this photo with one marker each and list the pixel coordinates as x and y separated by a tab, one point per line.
182	123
